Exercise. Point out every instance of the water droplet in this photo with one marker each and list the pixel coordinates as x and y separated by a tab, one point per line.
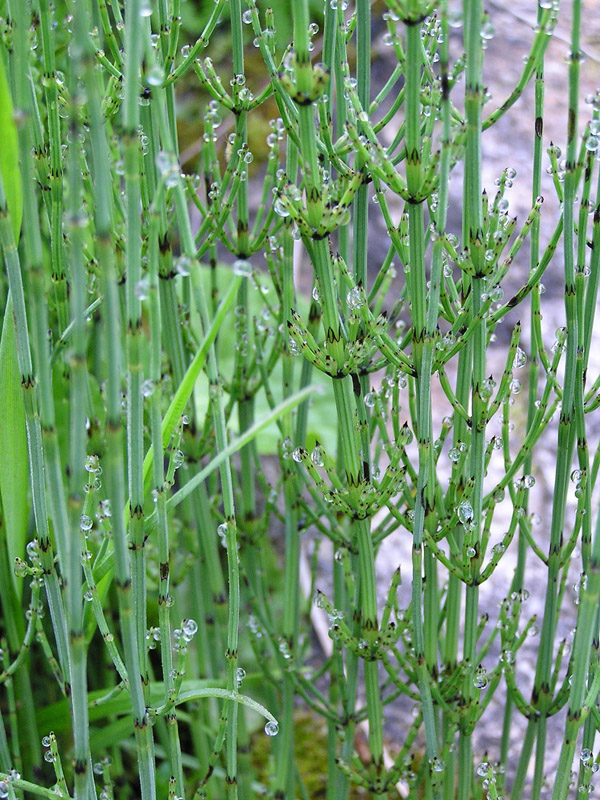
88	596
189	628
183	265
32	550
436	764
520	359
85	523
142	289
168	166
147	388
247	17
49	757
465	512
405	436
487	387
92	463
370	399
355	298
145	8
455	19
280	208
487	30
242	268
480	680
222	532
155	76
272	728
592	143
299	454
294	348
98	768
240	674
317	456
586	755
454	454
3	789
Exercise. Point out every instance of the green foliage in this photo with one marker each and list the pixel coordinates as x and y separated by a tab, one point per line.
13	444
9	154
235	398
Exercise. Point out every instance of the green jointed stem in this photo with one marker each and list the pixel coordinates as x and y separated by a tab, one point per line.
572	398
77	440
342	388
473	234
284	777
533	379
114	466
135	30
426	657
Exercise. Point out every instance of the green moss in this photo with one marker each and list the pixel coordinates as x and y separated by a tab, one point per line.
310	748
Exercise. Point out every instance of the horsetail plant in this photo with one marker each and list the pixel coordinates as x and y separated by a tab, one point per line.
258	391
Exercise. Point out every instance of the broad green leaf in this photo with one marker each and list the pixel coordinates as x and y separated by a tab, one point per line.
13	446
184	391
9	155
57	715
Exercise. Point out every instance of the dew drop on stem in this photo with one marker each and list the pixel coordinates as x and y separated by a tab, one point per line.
155	76
147	388
520	359
465	512
272	728
85	523
317	456
142	289
242	268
